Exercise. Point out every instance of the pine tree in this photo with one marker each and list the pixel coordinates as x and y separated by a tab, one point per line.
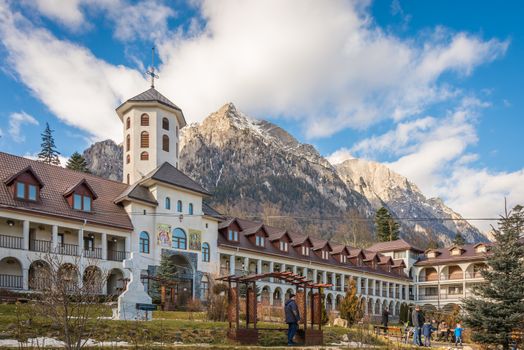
166	272
459	239
497	307
351	305
387	228
77	162
48	154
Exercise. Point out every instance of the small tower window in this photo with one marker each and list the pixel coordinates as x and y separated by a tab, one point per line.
190	208
144	139
179	206
144	120
165	124
165	143
128	142
144	242
205	252
144	156
176	131
128	179
176	150
168	203
128	122
128	159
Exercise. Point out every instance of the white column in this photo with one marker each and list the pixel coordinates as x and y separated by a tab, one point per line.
127	243
304	272
271	296
282	267
259	266
315	279
104	245
380	288
232	259
324	276
334	281
81	242
393	286
342	282
295	269
25	231
25	279
359	285
246	265
54	237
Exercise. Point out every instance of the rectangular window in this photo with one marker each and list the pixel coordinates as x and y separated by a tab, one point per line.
20	190
89	243
399	255
259	241
60	239
325	254
232	235
284	246
32	193
343	258
305	251
77	202
87	203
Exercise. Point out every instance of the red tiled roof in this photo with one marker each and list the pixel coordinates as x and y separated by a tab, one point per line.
391	246
56	181
297	239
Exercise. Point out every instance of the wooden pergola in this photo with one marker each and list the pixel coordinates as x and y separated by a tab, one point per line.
246	335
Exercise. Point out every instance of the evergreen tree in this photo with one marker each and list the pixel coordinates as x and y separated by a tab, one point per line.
77	162
459	239
497	307
351	305
48	154
387	228
165	271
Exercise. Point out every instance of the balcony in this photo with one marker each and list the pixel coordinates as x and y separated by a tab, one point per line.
116	255
453	296
94	253
11	242
41	246
67	249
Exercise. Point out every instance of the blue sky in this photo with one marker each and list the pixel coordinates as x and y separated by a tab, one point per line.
429	87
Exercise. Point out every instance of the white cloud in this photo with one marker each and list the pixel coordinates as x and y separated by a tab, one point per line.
339	156
34	156
16	120
76	86
67	12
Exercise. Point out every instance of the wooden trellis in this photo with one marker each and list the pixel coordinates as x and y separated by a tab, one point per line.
249	335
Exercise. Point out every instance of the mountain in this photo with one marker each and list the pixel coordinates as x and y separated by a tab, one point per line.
256	169
384	188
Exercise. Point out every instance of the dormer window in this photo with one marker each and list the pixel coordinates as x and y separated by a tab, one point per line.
232	235
456	251
481	248
305	250
432	255
325	255
260	241
81	202
26	191
284	246
343	259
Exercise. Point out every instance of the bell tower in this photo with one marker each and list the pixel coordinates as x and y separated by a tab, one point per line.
151	130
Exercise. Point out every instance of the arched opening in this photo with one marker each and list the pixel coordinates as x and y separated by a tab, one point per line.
475	270
115	282
378	311
143	243
277	297
128	122
179	206
184	277
168	203
144	156
206	252
92	280
68	276
39	275
165	123
289	292
128	159
329	302
453	272
144	120
264	295
165	143
370	306
391	308
397	308
179	239
11	273
128	143
144	139
190	208
428	274
204	287
338	302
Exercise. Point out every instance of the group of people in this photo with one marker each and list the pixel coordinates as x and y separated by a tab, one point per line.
422	327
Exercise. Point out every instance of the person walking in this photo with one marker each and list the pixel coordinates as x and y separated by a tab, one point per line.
418	320
292	318
458	334
385	319
427	330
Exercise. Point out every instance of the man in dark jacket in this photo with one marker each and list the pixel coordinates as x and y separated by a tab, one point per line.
385	319
292	318
417	318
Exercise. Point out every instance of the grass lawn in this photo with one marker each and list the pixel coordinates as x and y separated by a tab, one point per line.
166	328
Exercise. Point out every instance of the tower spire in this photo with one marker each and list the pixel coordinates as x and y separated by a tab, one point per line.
151	71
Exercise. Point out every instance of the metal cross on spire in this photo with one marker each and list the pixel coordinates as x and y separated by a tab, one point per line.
151	71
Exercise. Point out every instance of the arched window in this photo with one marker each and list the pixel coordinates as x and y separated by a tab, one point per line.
128	159
179	239
168	203
165	124
144	120
204	285
144	139
143	243
128	142
165	143
128	179
128	122
179	206
205	252
190	208
144	156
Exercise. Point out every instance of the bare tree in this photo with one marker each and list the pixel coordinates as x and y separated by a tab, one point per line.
72	301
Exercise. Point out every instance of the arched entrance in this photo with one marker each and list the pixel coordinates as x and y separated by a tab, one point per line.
183	278
11	273
68	276
264	296
38	275
277	297
115	282
92	280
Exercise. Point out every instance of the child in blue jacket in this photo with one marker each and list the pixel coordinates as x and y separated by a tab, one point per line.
427	330
458	334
